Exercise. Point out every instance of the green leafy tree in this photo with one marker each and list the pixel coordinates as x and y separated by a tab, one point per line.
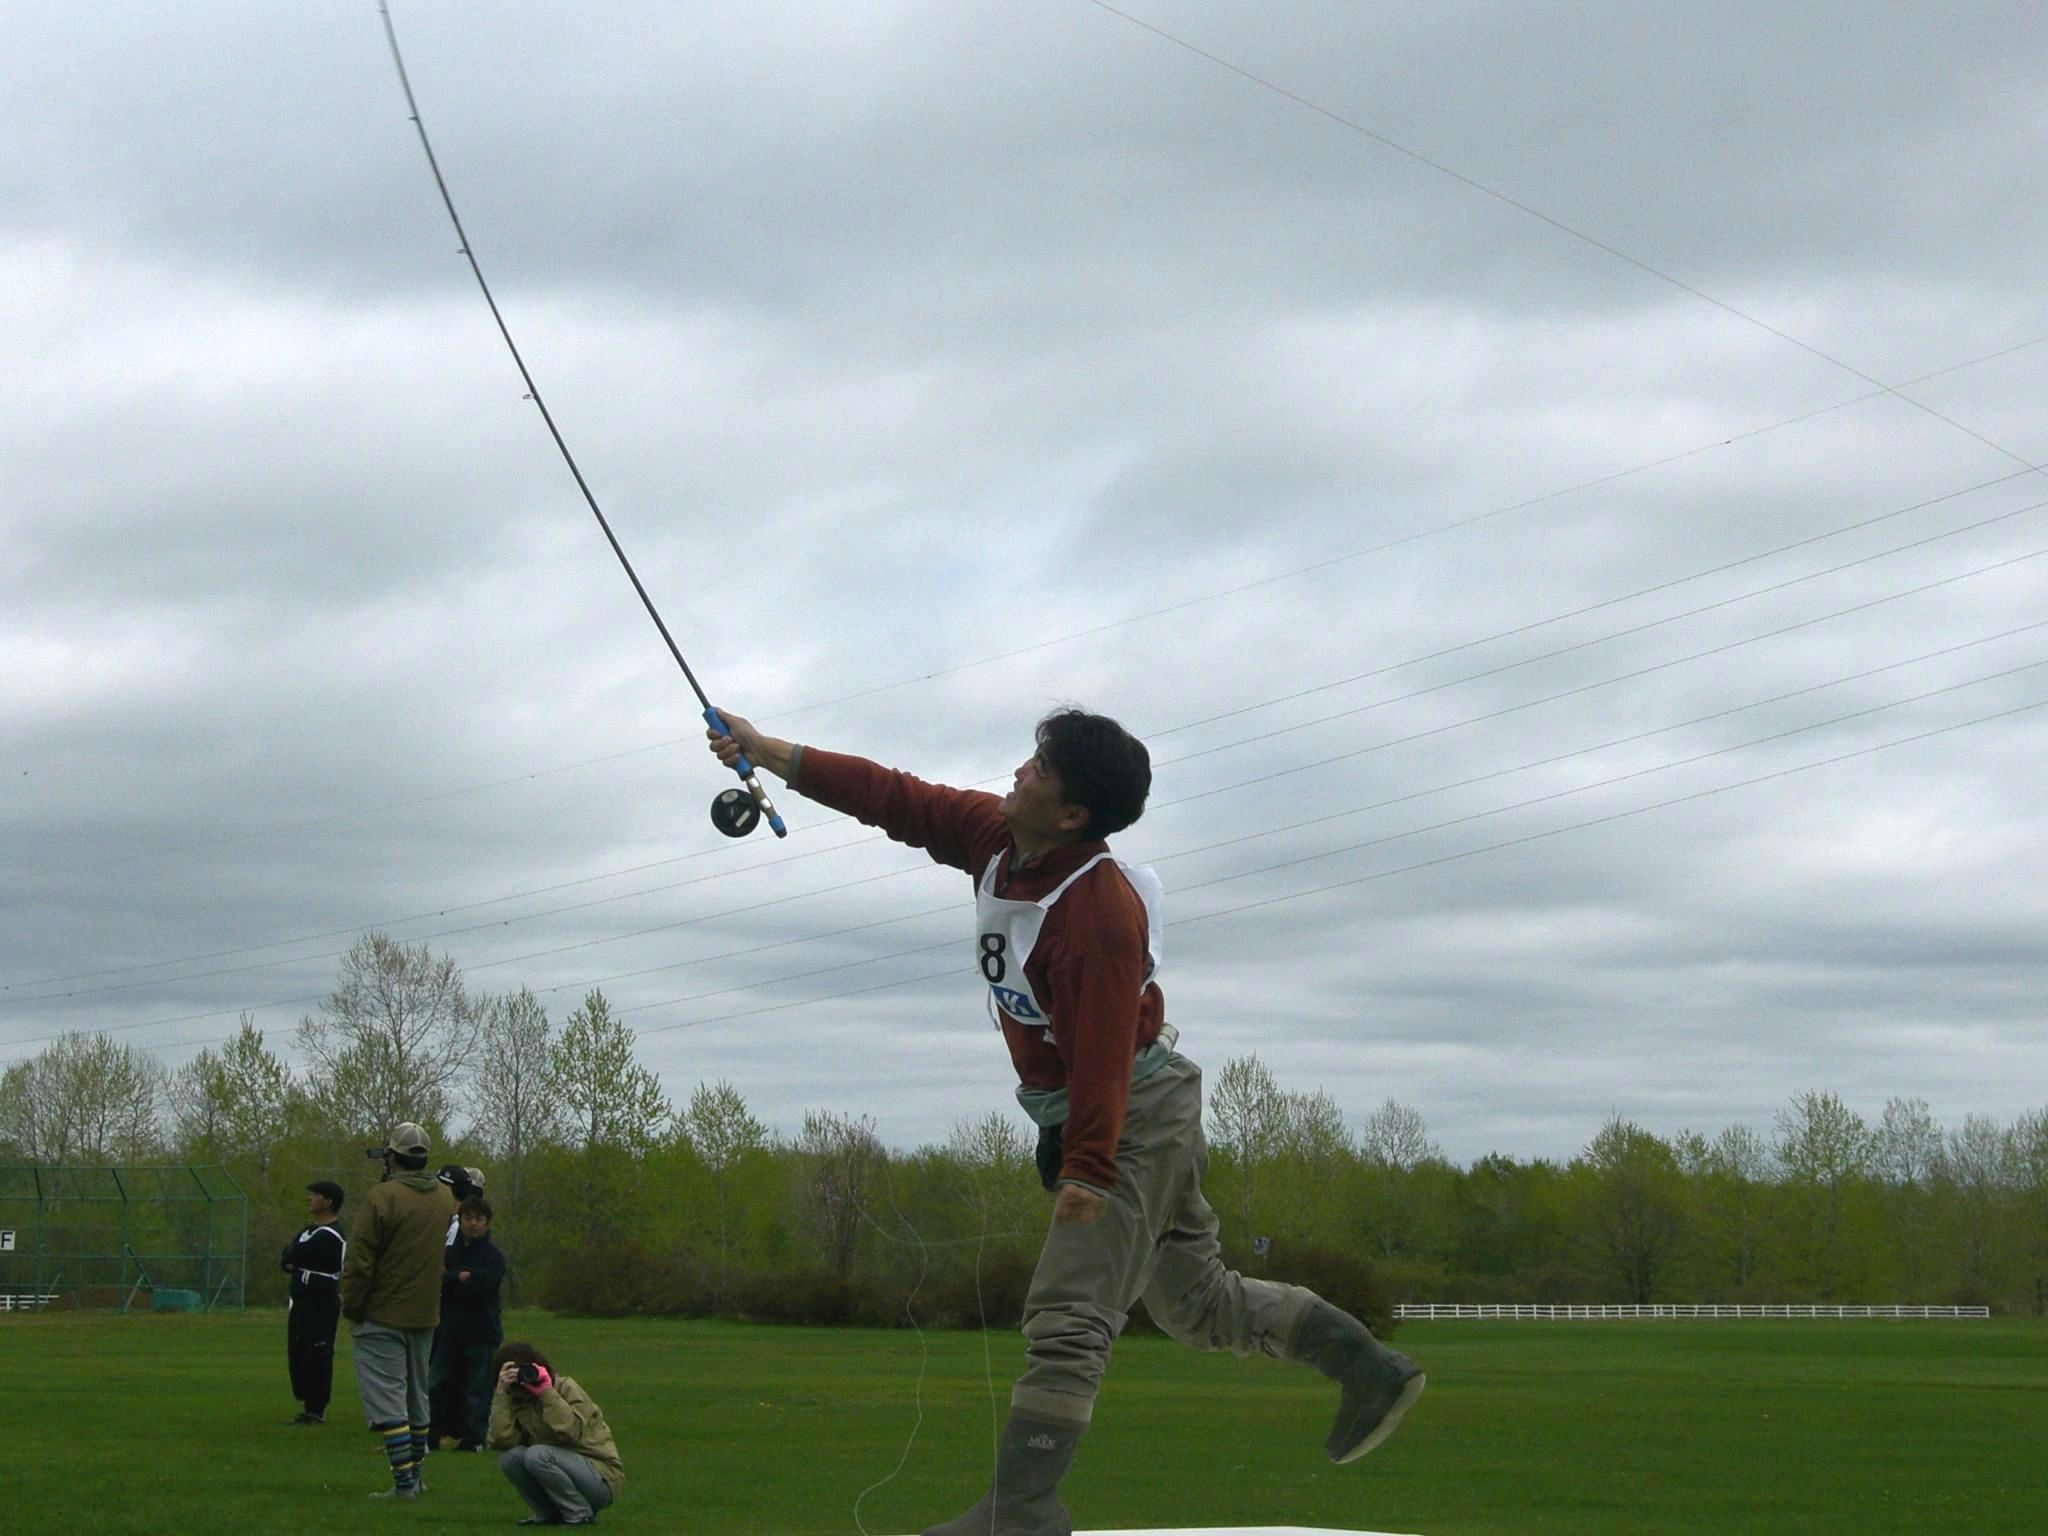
724	1133
2030	1173
1631	1208
1824	1150
607	1098
1978	1169
1731	1191
234	1105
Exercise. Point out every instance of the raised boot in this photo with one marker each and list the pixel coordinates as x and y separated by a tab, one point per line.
1379	1384
1023	1499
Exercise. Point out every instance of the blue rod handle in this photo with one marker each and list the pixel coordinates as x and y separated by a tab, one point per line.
745	770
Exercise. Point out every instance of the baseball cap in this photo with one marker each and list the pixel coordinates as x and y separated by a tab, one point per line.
407	1140
328	1188
476	1177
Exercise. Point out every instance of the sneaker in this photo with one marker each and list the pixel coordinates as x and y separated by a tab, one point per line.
472	1446
307	1418
396	1493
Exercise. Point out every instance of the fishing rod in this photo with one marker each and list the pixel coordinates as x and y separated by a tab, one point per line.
735	812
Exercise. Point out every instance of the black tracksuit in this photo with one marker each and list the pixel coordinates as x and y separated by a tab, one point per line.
313	1259
459	1387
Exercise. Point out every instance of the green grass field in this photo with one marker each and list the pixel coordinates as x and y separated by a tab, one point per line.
176	1424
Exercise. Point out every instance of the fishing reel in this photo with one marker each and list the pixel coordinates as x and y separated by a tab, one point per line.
735	812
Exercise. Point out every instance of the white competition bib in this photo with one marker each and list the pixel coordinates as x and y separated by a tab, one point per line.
1008	933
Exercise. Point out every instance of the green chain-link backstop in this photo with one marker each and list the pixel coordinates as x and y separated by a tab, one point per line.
168	1239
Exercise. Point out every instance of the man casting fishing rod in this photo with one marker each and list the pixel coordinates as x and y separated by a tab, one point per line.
1068	942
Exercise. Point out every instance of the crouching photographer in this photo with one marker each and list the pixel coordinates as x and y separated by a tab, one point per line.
557	1448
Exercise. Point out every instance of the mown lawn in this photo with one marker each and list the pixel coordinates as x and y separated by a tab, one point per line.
176	1424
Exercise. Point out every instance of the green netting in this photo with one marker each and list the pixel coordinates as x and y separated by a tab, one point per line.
120	1237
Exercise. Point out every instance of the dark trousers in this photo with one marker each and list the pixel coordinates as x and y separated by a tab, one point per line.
309	1347
459	1385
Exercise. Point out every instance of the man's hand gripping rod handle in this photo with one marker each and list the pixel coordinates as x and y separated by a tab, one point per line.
745	770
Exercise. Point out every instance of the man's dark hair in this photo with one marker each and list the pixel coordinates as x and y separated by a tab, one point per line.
1102	768
475	1205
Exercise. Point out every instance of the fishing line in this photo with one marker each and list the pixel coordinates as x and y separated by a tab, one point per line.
924	1351
1598	244
734	813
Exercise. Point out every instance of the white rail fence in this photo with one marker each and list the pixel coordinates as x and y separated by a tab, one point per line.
23	1301
1545	1311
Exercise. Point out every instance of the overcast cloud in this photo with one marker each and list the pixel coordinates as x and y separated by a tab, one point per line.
1554	486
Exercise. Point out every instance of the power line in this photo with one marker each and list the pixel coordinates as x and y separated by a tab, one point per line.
1296	826
1385	546
1723	568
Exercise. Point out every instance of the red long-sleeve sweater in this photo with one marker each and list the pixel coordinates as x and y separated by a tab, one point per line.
1086	968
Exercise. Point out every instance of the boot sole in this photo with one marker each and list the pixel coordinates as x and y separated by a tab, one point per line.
1389	1423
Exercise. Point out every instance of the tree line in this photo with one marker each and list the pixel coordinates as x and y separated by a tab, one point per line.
612	1198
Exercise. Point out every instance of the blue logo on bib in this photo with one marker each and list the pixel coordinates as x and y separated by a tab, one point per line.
1016	1004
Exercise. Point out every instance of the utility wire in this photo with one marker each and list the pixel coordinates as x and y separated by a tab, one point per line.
1421	692
1094	631
1272	832
1859	525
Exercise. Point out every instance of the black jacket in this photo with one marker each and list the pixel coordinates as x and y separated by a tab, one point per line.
470	1307
313	1260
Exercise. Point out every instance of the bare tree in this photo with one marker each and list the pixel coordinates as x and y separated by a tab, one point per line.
515	1112
1392	1145
723	1130
1394	1136
1246	1113
234	1103
839	1157
608	1099
1905	1153
394	1040
995	1161
82	1099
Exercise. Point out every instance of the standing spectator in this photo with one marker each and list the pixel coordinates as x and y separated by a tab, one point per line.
313	1304
463	1182
391	1295
558	1450
459	1386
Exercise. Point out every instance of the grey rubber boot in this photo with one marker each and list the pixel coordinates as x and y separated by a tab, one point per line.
1023	1500
1379	1384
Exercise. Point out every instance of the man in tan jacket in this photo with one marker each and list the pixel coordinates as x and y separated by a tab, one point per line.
391	1296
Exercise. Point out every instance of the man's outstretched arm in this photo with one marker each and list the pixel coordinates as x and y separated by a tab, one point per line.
962	828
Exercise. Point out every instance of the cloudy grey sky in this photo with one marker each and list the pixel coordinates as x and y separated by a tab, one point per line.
1554	486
